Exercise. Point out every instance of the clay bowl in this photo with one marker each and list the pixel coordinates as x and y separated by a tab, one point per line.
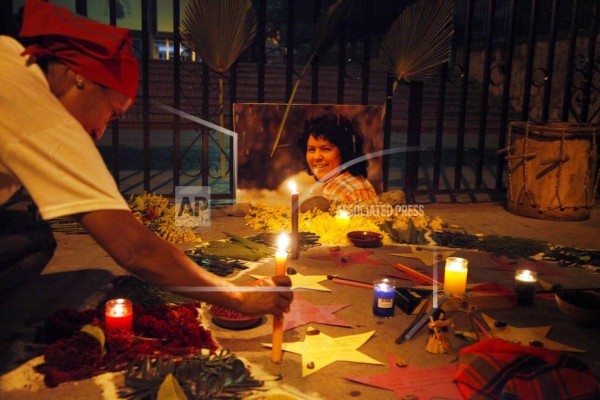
365	238
579	306
229	319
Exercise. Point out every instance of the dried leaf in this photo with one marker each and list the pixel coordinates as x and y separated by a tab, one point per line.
325	31
419	40
97	333
218	30
170	390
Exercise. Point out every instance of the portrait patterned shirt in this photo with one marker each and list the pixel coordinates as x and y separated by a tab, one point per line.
346	188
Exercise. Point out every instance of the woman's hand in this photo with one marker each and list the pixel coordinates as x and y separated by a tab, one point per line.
271	296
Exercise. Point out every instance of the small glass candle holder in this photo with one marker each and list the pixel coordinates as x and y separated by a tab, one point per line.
525	283
455	276
118	316
384	293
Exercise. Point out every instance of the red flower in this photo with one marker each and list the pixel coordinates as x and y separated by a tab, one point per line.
160	330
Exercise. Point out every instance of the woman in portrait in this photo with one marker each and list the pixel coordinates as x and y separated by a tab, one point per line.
333	149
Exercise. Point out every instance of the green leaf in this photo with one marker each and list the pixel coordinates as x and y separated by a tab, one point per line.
412	232
170	389
97	333
232	250
250	244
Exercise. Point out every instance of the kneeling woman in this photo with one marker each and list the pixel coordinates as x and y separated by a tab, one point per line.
334	155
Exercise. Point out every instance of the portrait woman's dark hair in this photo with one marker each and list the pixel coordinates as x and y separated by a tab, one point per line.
340	131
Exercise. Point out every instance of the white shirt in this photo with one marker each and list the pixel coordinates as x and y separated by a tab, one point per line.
44	148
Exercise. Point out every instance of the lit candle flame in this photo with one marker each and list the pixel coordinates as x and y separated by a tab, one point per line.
343	214
282	242
526	276
119	309
292	186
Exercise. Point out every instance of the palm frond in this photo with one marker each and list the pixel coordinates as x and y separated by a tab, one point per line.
326	29
328	26
218	30
419	40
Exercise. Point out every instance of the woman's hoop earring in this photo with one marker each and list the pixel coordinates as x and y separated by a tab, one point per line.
79	83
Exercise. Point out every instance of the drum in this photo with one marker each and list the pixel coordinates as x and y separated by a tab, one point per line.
551	170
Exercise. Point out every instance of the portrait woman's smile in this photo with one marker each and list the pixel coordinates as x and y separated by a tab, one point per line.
322	156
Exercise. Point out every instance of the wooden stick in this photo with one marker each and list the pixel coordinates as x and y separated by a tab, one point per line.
349	282
415	273
435	330
400	339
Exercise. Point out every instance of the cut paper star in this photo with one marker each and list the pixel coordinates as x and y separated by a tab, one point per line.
525	336
345	258
506	264
310	282
421	383
303	312
320	350
427	255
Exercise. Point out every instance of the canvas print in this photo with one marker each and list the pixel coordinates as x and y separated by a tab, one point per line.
265	178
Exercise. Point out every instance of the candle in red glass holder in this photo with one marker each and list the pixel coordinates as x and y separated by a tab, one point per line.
118	315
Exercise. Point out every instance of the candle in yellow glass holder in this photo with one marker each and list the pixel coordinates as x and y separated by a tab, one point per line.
455	276
280	261
342	220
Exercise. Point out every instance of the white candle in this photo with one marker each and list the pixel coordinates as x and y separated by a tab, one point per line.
455	276
295	234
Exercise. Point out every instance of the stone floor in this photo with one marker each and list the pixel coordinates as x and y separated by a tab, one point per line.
80	268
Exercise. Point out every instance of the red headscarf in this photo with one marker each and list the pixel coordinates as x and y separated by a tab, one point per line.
98	52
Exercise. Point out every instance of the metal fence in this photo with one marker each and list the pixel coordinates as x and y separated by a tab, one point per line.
512	60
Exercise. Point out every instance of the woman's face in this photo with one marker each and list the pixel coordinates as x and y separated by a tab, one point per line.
94	106
322	156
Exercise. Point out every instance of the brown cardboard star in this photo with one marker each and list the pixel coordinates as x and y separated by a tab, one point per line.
303	312
506	264
345	258
526	336
304	281
427	255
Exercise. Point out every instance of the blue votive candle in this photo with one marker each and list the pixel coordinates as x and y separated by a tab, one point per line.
384	292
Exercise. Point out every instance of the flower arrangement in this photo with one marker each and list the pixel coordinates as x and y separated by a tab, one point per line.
155	212
396	224
159	331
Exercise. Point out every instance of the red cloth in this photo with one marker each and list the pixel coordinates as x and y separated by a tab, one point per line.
497	369
98	52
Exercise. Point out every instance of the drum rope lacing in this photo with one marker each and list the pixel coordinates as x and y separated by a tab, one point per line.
561	160
525	190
